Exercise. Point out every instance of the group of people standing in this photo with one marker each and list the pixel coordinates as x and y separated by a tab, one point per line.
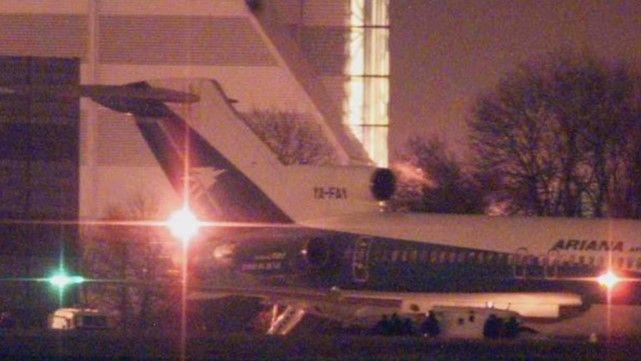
397	326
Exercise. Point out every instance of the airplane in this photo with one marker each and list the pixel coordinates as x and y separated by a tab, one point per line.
318	240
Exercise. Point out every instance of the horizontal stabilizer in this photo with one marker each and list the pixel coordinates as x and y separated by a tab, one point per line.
133	91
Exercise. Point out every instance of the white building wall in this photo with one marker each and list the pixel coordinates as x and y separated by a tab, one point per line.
127	41
334	39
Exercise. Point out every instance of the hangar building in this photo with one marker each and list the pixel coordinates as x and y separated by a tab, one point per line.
72	159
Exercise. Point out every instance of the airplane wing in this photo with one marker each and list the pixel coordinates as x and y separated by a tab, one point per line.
290	305
355	307
306	297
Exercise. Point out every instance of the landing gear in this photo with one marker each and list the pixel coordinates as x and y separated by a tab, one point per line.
511	328
495	327
430	327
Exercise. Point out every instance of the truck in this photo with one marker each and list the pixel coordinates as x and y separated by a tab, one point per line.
78	319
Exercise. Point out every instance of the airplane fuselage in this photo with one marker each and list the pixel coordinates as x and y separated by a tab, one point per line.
568	257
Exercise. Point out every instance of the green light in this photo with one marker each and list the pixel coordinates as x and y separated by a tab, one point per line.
62	280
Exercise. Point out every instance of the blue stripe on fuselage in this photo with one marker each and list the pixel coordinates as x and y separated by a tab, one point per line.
395	265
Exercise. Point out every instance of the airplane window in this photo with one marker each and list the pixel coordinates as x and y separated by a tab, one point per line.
599	261
533	260
394	257
519	259
543	261
388	255
443	257
563	260
413	256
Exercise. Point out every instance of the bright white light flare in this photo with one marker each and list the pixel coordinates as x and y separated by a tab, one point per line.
62	280
608	279
183	224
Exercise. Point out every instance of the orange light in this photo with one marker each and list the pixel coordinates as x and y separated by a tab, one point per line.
223	251
183	224
608	279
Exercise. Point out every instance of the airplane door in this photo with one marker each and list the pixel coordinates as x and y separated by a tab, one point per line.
521	261
360	260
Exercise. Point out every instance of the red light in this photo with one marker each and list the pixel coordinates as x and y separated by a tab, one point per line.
608	279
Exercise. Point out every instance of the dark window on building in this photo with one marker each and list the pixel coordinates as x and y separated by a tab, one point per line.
39	177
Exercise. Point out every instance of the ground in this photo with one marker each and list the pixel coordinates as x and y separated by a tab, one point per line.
145	346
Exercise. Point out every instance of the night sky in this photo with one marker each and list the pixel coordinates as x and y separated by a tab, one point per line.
444	53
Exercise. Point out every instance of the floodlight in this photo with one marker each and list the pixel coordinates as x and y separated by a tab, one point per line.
62	280
183	224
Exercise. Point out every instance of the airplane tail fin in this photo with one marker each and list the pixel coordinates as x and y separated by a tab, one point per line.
217	189
198	138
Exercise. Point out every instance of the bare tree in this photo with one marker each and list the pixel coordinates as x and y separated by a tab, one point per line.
553	133
431	180
625	194
132	266
294	139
